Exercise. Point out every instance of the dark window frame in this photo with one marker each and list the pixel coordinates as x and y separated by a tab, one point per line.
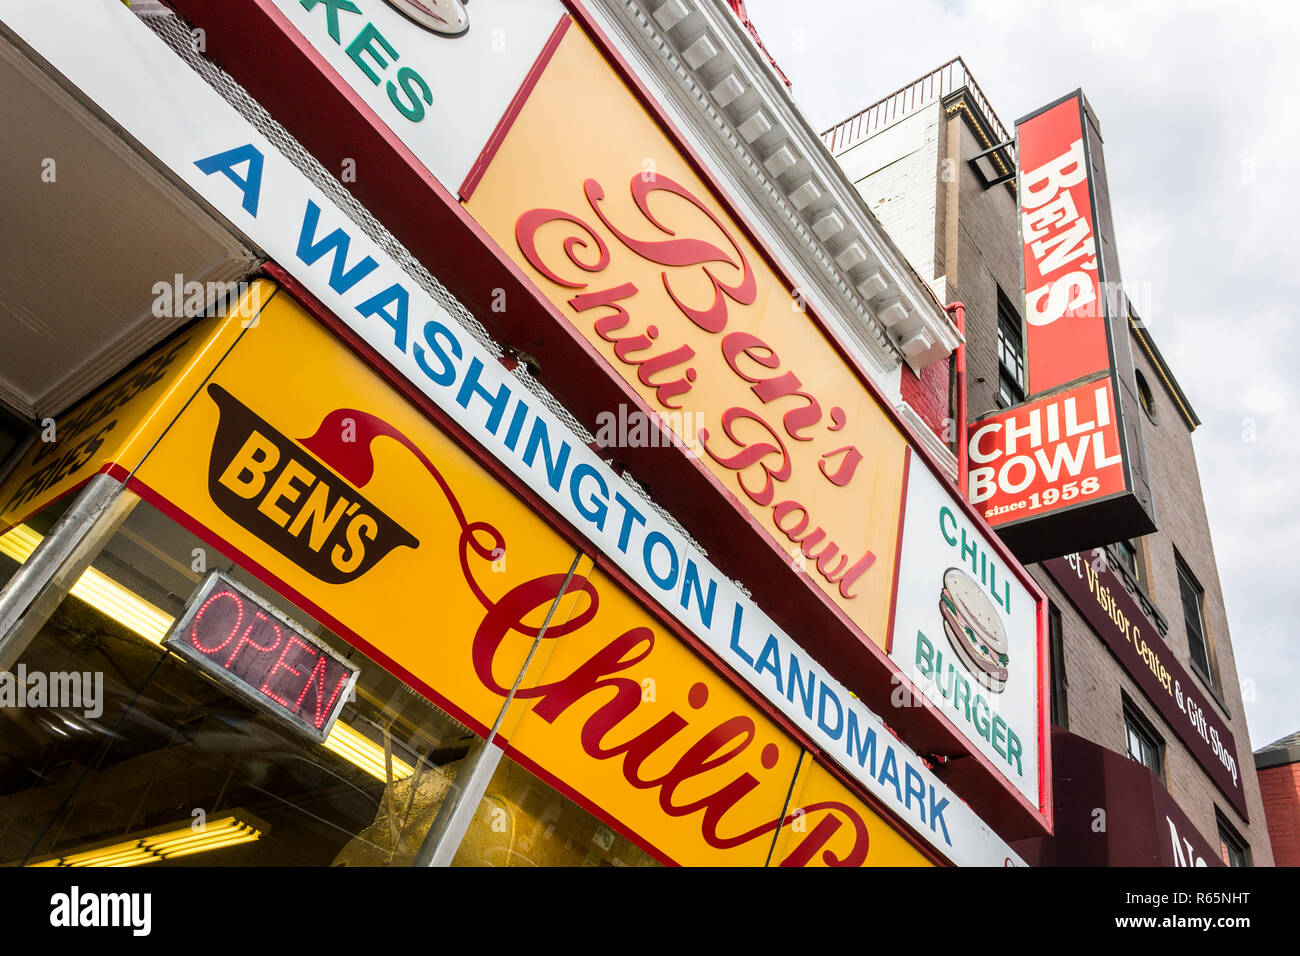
1009	393
1011	353
1231	842
1060	715
1192	598
1137	726
1128	549
1146	397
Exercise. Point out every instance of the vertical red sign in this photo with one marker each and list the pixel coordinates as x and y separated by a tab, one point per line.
1048	455
1065	310
1065	470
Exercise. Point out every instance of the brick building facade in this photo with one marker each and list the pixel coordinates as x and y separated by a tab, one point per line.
928	164
1278	765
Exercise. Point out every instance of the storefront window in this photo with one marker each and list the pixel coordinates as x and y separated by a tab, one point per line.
522	821
113	749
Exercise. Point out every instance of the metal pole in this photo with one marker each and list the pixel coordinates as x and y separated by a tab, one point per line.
458	809
45	578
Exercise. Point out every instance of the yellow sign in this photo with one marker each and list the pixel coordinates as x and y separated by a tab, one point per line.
297	457
700	772
590	197
114	428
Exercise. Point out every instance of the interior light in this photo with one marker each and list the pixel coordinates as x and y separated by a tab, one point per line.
19	543
97	589
364	753
168	845
107	596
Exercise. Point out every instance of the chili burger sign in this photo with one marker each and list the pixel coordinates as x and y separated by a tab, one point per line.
966	632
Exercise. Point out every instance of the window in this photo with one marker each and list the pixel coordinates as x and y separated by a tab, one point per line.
1008	392
1130	560
1056	649
1142	742
1145	396
125	768
1232	847
1011	354
1127	552
522	821
1198	644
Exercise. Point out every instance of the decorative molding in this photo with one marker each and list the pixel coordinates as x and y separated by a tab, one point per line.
956	102
710	77
943	455
1162	369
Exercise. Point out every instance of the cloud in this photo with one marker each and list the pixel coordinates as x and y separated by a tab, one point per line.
1194	104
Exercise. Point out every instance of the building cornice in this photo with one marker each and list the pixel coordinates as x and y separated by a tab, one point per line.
716	85
1170	383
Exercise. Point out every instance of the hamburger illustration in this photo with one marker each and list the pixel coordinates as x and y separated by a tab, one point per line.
973	629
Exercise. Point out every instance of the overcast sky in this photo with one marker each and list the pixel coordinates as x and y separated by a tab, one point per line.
1196	104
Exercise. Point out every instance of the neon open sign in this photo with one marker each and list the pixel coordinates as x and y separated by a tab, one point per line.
262	656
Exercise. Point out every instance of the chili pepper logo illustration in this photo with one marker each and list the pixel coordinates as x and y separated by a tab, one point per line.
292	500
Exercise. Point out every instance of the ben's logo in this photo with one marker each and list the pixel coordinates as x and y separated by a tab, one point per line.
445	17
268	484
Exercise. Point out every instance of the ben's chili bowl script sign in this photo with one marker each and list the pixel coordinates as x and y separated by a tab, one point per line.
758	444
648	268
646	265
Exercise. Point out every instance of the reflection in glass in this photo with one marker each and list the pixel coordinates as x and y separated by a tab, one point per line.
167	767
523	822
